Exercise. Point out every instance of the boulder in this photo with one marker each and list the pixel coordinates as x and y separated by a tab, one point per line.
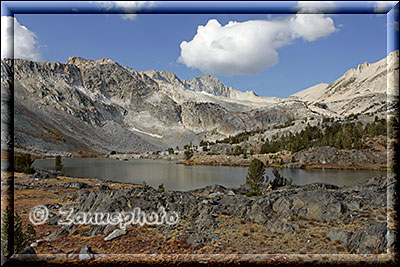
28	254
86	253
77	185
338	235
116	233
371	240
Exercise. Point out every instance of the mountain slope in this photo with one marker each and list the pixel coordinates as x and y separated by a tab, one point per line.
100	105
361	90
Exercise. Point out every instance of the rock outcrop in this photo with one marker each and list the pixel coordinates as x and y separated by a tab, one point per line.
281	210
100	105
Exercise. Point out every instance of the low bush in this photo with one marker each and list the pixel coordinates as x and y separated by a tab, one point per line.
23	163
24	233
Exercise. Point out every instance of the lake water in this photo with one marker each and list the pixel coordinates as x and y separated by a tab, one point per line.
182	177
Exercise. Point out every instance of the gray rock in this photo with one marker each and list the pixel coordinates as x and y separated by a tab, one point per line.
282	206
205	221
332	155
213	237
77	185
56	250
371	240
86	253
103	187
28	254
282	226
230	193
116	233
243	189
54	206
109	228
194	240
341	236
259	218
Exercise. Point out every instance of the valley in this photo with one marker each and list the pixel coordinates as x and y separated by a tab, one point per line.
88	107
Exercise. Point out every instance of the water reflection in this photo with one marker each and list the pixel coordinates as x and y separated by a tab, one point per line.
181	177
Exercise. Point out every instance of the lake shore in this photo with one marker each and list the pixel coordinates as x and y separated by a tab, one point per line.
239	161
292	220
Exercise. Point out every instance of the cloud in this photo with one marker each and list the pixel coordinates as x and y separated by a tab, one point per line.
129	7
26	45
383	6
312	7
249	47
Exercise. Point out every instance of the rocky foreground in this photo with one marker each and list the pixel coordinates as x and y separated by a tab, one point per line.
310	219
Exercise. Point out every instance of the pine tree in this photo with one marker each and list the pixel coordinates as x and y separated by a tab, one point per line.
59	165
255	176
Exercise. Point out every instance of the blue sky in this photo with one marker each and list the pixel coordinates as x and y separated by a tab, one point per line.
298	60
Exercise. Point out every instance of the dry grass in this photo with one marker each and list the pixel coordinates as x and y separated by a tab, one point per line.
225	212
245	237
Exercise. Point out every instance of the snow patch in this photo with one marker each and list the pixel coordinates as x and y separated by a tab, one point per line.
93	95
205	93
150	134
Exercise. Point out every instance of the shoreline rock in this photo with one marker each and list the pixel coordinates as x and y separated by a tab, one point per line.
280	209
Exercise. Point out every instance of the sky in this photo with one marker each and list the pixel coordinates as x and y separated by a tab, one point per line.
271	54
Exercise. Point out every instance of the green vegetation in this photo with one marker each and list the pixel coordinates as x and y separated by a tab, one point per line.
145	186
113	152
279	180
340	135
170	151
288	123
188	154
161	188
23	163
255	177
244	136
24	233
59	165
237	151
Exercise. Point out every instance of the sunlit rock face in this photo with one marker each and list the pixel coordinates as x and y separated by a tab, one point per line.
100	105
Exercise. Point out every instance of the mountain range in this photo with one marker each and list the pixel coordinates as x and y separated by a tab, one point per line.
100	105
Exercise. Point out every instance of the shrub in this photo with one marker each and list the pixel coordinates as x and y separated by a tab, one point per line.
170	151
255	177
59	165
188	154
113	152
29	170
23	163
145	186
161	188
24	233
279	180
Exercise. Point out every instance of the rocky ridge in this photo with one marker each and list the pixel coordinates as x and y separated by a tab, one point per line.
100	105
360	90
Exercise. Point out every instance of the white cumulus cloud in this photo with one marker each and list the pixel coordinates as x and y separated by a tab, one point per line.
26	45
129	7
383	6
315	6
249	47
